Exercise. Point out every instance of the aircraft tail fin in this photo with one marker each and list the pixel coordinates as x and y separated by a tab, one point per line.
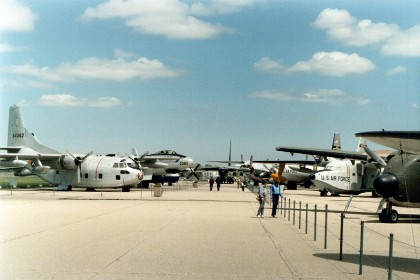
19	136
336	144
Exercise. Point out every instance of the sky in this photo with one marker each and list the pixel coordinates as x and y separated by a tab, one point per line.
191	76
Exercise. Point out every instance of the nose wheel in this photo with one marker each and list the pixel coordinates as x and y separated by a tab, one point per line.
388	215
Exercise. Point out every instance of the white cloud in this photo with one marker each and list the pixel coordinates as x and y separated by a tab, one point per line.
169	18
405	43
335	64
326	96
272	95
343	27
67	100
396	70
415	106
266	64
332	97
8	48
16	17
94	68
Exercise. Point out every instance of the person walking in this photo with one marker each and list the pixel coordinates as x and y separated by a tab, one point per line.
262	195
218	182
275	193
211	182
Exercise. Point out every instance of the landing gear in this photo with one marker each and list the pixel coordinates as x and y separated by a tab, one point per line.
323	192
291	186
388	215
126	189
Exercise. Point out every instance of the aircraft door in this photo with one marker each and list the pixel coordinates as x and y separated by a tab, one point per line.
356	174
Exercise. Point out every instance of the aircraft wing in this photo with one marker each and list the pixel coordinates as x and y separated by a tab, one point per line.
408	141
226	161
30	156
324	152
286	161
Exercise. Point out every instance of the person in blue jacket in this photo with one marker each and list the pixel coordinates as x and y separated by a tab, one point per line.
275	194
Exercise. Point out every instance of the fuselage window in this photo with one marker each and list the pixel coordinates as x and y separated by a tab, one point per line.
57	172
86	176
100	175
115	165
117	177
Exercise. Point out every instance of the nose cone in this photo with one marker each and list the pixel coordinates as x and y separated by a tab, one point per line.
386	185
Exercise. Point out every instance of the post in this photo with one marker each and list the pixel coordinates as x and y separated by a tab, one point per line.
281	206
294	212
391	245
326	226
289	211
285	204
315	221
341	236
362	224
306	222
300	213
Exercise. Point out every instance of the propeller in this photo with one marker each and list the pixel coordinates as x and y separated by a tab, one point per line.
192	172
78	161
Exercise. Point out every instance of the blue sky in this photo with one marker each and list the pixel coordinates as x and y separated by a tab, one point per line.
191	75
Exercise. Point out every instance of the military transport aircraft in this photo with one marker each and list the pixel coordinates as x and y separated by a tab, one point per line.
30	157
164	166
399	183
341	175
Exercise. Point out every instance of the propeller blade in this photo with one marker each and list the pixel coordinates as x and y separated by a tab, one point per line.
375	157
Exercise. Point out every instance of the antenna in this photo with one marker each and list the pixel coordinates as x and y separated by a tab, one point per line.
230	152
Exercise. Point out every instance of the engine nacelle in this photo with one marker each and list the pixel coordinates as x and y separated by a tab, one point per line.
69	162
23	172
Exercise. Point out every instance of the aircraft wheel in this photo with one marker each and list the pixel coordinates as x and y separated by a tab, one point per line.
383	216
388	216
324	193
291	186
125	189
393	216
69	188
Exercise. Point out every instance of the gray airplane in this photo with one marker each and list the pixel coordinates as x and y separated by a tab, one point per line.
399	183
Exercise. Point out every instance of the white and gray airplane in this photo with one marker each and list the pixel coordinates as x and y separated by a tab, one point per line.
164	166
341	175
65	171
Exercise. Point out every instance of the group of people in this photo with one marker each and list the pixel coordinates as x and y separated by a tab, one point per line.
275	194
218	182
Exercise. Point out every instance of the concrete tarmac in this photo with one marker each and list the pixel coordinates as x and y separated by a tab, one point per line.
192	233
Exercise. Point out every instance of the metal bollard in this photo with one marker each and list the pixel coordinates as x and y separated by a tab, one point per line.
294	211
391	245
341	236
315	221
285	204
289	211
362	225
281	206
326	227
306	222
300	213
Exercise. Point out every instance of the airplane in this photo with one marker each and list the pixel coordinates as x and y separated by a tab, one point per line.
341	175
65	171
164	166
226	173
399	183
294	172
